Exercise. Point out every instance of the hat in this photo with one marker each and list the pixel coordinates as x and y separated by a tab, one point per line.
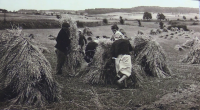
65	25
79	30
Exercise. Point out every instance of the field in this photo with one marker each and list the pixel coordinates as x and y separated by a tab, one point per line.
180	91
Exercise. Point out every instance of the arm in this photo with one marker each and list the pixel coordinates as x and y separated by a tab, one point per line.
112	38
131	48
112	50
85	39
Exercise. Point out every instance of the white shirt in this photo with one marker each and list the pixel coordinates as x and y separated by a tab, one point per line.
118	35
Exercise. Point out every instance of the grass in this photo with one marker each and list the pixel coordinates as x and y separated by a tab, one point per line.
77	95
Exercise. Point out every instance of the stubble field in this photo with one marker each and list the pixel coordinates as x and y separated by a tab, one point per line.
180	91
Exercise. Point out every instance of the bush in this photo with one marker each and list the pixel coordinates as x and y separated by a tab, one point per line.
173	22
31	24
105	21
178	19
58	16
195	23
79	24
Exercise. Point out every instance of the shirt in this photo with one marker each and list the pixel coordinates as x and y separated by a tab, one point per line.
121	47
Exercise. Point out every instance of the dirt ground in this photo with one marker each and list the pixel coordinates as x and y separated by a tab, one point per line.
178	92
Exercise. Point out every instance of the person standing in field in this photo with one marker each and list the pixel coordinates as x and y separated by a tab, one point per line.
120	51
161	25
82	40
139	23
62	46
90	50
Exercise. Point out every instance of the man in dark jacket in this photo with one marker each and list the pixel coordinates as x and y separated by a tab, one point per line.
62	46
90	50
120	51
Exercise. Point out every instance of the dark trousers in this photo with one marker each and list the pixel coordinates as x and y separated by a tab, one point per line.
61	57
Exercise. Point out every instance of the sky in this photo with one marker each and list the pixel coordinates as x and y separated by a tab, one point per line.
12	5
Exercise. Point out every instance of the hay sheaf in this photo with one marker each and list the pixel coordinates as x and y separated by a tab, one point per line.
152	59
102	68
193	57
188	43
148	59
75	57
179	48
25	73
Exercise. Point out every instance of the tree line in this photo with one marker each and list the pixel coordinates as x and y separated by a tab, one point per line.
155	9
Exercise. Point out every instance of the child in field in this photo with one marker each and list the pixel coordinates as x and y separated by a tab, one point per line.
117	34
82	41
90	50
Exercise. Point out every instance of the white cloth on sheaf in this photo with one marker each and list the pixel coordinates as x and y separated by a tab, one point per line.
118	35
123	64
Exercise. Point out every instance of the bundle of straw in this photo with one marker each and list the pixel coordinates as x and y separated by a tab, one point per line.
75	57
102	69
87	31
25	73
139	44
152	59
193	57
148	59
188	43
179	48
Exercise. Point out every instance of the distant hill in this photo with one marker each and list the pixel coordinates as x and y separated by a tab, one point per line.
155	9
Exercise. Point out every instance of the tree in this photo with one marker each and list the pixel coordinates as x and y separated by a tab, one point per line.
121	20
184	17
147	16
81	13
160	16
58	16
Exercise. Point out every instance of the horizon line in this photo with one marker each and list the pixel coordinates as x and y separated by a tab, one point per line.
108	8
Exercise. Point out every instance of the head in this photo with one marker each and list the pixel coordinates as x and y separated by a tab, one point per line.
66	26
89	39
114	28
97	37
79	31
